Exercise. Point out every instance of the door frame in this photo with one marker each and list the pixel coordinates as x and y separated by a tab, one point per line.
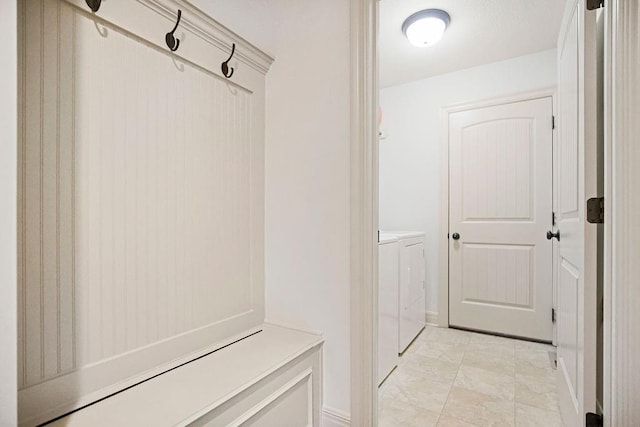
8	216
621	108
619	35
364	213
443	251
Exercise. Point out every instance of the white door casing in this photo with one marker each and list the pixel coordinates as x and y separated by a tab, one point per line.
500	189
622	201
577	182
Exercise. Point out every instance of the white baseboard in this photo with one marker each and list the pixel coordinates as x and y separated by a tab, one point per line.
334	418
431	318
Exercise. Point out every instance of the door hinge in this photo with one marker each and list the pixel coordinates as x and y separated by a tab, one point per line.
594	4
595	210
553	315
553	122
593	420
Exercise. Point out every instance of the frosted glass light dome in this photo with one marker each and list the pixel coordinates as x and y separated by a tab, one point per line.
426	27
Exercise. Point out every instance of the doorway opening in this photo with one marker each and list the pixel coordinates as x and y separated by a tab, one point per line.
485	161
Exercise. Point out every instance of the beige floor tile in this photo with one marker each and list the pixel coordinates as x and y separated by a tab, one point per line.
534	392
429	328
488	382
500	348
450	336
448	352
528	416
536	346
452	378
422	337
425	332
434	369
382	388
486	338
447	421
479	408
537	358
536	367
398	414
420	391
500	363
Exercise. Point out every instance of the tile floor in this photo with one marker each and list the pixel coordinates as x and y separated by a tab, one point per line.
456	378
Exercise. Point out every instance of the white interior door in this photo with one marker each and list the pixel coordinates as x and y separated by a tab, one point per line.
500	183
577	181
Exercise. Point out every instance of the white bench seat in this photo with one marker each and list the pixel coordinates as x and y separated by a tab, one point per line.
270	378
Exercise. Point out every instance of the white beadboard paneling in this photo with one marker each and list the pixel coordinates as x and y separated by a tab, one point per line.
66	189
141	208
497	165
498	274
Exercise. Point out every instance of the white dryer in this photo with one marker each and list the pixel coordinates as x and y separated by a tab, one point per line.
411	286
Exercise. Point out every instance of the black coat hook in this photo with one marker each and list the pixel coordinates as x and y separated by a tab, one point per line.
172	42
94	5
226	70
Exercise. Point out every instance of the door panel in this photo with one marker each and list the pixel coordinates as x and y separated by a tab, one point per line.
498	274
500	205
497	159
577	181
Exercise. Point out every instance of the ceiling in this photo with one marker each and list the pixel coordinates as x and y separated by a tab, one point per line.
481	32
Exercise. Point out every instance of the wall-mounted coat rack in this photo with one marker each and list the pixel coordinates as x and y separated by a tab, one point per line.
226	70
172	42
94	5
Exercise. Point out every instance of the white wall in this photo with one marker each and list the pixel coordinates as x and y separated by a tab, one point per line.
410	155
8	184
308	182
252	19
307	168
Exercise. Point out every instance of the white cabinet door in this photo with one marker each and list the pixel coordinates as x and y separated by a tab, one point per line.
500	261
577	174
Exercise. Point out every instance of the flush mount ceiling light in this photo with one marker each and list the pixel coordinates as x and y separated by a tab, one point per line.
426	27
